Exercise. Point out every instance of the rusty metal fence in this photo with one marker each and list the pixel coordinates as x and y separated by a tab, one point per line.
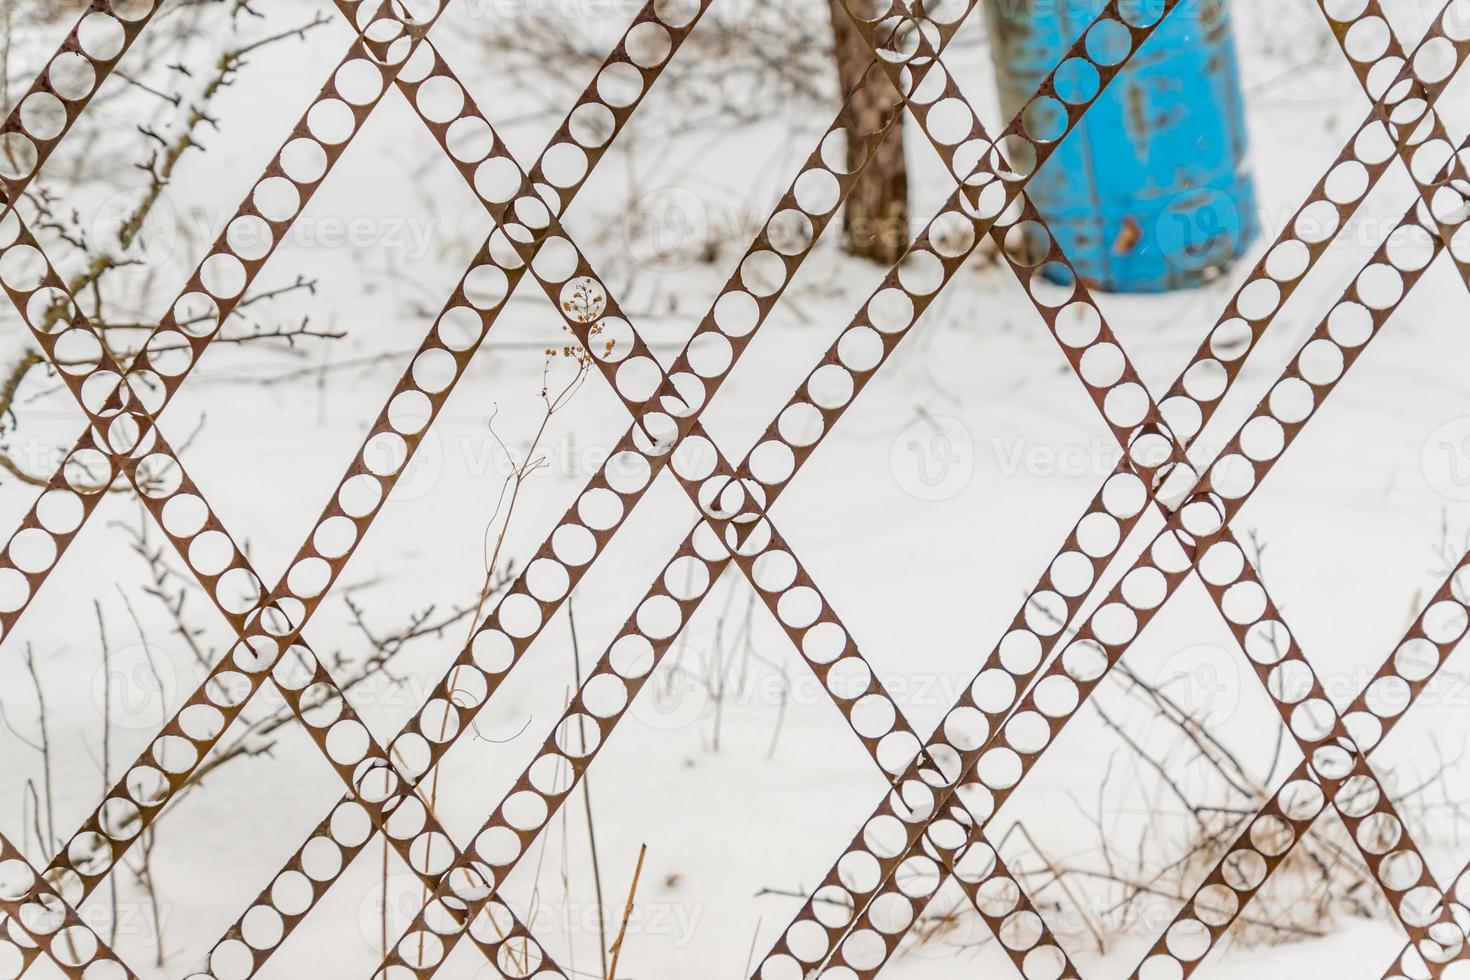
931	827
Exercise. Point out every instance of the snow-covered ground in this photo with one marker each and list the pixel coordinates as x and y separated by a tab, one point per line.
924	517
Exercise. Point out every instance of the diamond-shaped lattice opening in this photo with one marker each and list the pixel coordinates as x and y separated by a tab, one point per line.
788	768
975	420
457	507
101	708
1395	522
155	227
484	762
1133	803
264	790
370	262
1374	942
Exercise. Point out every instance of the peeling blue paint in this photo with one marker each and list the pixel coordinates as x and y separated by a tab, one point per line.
1151	191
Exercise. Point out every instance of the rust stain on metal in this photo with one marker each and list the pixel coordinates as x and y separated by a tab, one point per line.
1128	236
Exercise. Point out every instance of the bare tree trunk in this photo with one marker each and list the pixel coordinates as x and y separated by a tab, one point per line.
875	224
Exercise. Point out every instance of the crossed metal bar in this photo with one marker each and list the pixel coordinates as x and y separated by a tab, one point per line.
242	702
872	960
453	693
452	700
418	942
418	945
1297	803
421	945
70	78
38	918
731	499
450	687
1269	837
131	439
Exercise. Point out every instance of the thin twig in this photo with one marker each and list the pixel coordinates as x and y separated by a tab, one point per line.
617	946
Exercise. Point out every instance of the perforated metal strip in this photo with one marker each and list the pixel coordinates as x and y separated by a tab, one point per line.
1106	634
560	562
710	488
40	919
1001	676
665	406
304	683
1268	837
70	78
33	285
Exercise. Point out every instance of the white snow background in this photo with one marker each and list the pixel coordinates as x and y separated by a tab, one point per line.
924	545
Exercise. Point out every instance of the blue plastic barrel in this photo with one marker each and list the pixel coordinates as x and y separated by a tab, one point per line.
1150	191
